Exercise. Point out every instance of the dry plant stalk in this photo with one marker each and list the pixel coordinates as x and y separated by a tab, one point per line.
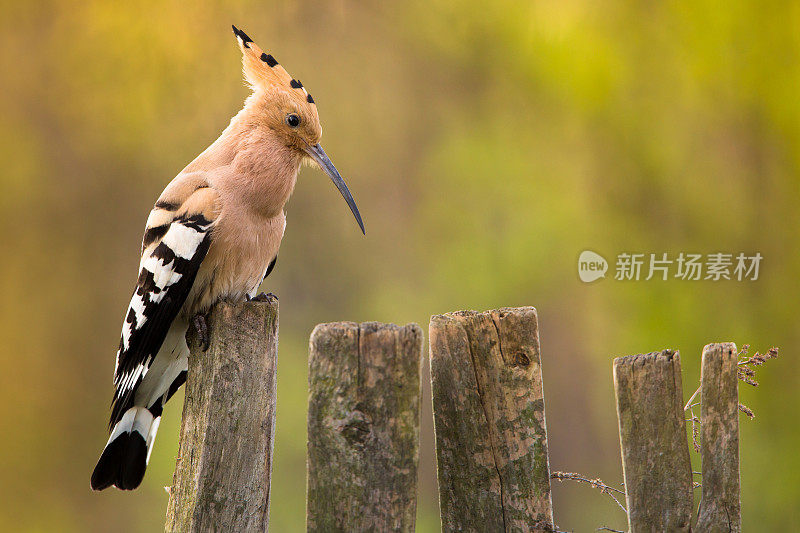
746	410
746	373
694	419
596	483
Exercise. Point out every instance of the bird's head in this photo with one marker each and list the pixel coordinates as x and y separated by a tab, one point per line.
289	110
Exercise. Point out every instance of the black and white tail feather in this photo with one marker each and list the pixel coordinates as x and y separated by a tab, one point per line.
152	359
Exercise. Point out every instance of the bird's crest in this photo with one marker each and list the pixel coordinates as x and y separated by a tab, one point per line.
262	70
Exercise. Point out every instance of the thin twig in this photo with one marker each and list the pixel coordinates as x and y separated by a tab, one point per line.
606	528
694	419
746	410
747	374
691	399
696	423
595	483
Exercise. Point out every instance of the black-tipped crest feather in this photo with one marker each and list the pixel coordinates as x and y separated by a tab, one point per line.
242	35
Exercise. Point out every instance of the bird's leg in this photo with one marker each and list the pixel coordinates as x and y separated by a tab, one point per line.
268	297
201	326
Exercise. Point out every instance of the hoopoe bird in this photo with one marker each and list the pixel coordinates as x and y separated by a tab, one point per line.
212	235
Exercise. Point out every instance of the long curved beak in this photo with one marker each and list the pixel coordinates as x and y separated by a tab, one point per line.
318	154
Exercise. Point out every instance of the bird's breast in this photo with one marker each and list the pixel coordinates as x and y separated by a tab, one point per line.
242	247
262	178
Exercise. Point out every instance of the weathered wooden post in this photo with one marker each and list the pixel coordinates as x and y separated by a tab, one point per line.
491	437
363	427
222	477
655	451
720	507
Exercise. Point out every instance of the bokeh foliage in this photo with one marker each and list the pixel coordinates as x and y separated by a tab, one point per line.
487	144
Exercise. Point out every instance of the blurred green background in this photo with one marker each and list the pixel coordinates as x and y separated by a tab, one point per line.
487	144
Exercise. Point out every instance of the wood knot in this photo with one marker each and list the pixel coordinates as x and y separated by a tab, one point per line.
357	430
521	359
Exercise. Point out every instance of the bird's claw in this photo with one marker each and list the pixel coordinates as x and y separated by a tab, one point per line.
268	297
201	326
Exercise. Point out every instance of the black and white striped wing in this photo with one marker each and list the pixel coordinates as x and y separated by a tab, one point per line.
167	271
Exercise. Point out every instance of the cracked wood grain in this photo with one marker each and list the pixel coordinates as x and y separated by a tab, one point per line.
720	506
655	451
222	477
363	427
491	438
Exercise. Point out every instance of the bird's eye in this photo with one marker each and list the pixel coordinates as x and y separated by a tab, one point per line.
292	120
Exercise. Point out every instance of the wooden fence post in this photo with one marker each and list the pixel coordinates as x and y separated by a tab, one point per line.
491	438
363	427
655	451
222	476
720	507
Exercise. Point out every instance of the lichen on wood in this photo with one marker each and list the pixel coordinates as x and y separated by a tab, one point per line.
491	438
363	427
720	506
655	451
222	477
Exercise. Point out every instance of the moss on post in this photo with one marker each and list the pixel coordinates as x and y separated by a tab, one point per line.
491	437
222	476
720	506
363	427
655	451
